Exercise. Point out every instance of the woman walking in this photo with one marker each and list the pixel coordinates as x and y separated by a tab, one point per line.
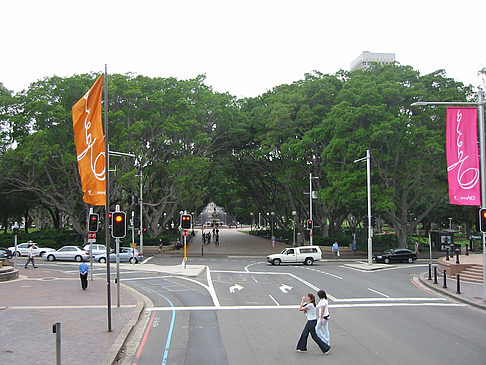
308	306
322	328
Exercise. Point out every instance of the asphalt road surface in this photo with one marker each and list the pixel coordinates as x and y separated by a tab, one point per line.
245	311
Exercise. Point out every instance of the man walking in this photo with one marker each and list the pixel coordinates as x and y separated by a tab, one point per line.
83	274
31	257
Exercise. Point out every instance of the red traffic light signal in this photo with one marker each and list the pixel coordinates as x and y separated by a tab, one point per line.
93	222
119	226
482	220
186	221
309	224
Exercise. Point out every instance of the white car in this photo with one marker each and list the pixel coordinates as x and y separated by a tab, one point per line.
292	255
23	249
68	253
96	249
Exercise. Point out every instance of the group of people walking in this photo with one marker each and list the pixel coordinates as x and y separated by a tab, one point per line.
206	237
317	322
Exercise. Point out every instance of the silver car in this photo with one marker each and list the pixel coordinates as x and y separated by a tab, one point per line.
68	253
126	255
96	249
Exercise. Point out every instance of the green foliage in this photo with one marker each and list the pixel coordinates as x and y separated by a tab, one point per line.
195	145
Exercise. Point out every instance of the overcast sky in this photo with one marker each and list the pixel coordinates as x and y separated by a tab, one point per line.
244	47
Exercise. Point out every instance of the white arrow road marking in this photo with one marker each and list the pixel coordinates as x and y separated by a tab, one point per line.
285	288
235	287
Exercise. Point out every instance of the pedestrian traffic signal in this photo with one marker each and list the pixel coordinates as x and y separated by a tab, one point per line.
119	227
186	221
309	224
93	222
482	220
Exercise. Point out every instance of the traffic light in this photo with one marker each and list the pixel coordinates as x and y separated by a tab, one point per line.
93	222
119	227
136	223
309	224
482	220
186	221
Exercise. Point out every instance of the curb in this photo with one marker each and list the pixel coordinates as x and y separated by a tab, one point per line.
115	349
435	287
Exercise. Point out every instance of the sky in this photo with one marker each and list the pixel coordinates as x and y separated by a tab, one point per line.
243	47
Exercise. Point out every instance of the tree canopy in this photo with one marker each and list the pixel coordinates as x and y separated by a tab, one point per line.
194	145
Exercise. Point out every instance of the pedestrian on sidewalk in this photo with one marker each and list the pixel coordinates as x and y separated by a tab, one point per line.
83	274
308	306
31	256
335	249
322	328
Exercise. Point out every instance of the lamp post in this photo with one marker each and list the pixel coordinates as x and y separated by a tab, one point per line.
294	213
251	221
311	196
272	214
368	183
482	153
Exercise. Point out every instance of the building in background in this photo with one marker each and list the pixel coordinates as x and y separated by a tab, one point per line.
365	59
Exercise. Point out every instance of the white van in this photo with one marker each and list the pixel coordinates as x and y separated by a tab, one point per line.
292	255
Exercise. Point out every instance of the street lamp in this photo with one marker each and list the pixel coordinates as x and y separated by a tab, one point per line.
272	214
482	153
294	213
368	183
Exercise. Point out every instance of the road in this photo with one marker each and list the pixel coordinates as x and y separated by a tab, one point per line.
244	311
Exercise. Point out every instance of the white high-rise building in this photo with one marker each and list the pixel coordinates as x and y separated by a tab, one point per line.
365	59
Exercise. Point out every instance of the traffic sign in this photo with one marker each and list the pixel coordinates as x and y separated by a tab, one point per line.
91	235
310	234
185	233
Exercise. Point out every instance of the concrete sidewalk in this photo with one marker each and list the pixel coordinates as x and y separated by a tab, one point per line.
31	305
471	293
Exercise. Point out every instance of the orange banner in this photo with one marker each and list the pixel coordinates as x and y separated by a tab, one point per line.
90	144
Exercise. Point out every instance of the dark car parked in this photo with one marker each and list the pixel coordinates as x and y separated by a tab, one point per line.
5	253
396	255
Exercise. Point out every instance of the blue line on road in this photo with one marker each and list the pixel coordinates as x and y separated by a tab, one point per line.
171	328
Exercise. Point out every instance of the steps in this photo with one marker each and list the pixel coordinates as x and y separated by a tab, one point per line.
473	273
8	273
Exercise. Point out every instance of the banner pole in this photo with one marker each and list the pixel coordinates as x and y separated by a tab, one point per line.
483	177
107	203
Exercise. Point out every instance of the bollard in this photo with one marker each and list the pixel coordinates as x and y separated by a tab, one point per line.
467	249
435	274
445	279
447	253
458	278
457	256
430	271
452	250
56	328
202	249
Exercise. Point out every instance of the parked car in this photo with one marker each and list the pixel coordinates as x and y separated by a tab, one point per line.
96	249
23	249
126	255
396	255
304	254
5	253
68	253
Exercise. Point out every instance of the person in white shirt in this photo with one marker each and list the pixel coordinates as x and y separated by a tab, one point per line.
308	306
322	328
31	256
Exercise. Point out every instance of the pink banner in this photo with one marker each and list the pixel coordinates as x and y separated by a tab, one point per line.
463	156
